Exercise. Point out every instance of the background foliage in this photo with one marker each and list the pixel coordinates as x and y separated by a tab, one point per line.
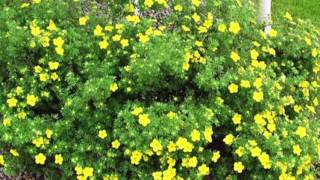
91	91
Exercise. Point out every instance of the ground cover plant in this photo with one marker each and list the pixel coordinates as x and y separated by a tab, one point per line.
99	90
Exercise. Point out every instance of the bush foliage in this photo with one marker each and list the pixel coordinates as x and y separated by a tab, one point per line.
90	90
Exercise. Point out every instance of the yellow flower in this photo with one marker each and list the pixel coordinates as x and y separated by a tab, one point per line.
137	110
136	157
195	135
6	122
2	161
301	131
208	134
53	65
196	2
307	40
144	119
288	16
296	150
203	170
102	134
115	144
83	20
40	159
170	173
234	56
259	120
228	140
37	69
36	1
185	66
54	76
133	19
182	143
103	44
240	151
59	50
124	43
35	30
14	152
254	54
245	84
178	8
172	146
238	167
19	90
233	88
234	27
257	83
156	146
315	52
87	172
157	175
12	102
215	156
171	115
222	27
32	100
196	17
98	31
237	118
265	160
144	39
258	96
255	152
273	33
113	87
58	159
148	3
49	133
38	142
58	41
52	26
43	77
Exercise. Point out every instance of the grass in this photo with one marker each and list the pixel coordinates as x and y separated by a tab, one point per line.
305	9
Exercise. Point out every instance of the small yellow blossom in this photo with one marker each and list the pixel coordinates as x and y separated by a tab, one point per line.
115	144
52	26
103	44
32	100
234	27
234	56
136	157
2	161
255	152
203	170
222	27
53	65
58	159
208	134
296	150
178	8
40	159
196	2
195	135
137	110
12	102
233	88
87	172
49	133
258	96
6	122
98	31
245	84
83	20
237	118
14	152
102	134
228	140
144	119
238	167
301	132
215	156
114	87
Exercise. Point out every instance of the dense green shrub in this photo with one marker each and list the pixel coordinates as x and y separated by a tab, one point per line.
91	91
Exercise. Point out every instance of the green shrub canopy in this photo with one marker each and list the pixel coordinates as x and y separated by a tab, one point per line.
182	90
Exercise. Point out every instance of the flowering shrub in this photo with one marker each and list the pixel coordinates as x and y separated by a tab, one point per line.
94	91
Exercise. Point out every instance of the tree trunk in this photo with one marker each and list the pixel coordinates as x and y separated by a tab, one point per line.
264	13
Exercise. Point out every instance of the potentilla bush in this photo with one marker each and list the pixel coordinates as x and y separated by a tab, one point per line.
185	89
